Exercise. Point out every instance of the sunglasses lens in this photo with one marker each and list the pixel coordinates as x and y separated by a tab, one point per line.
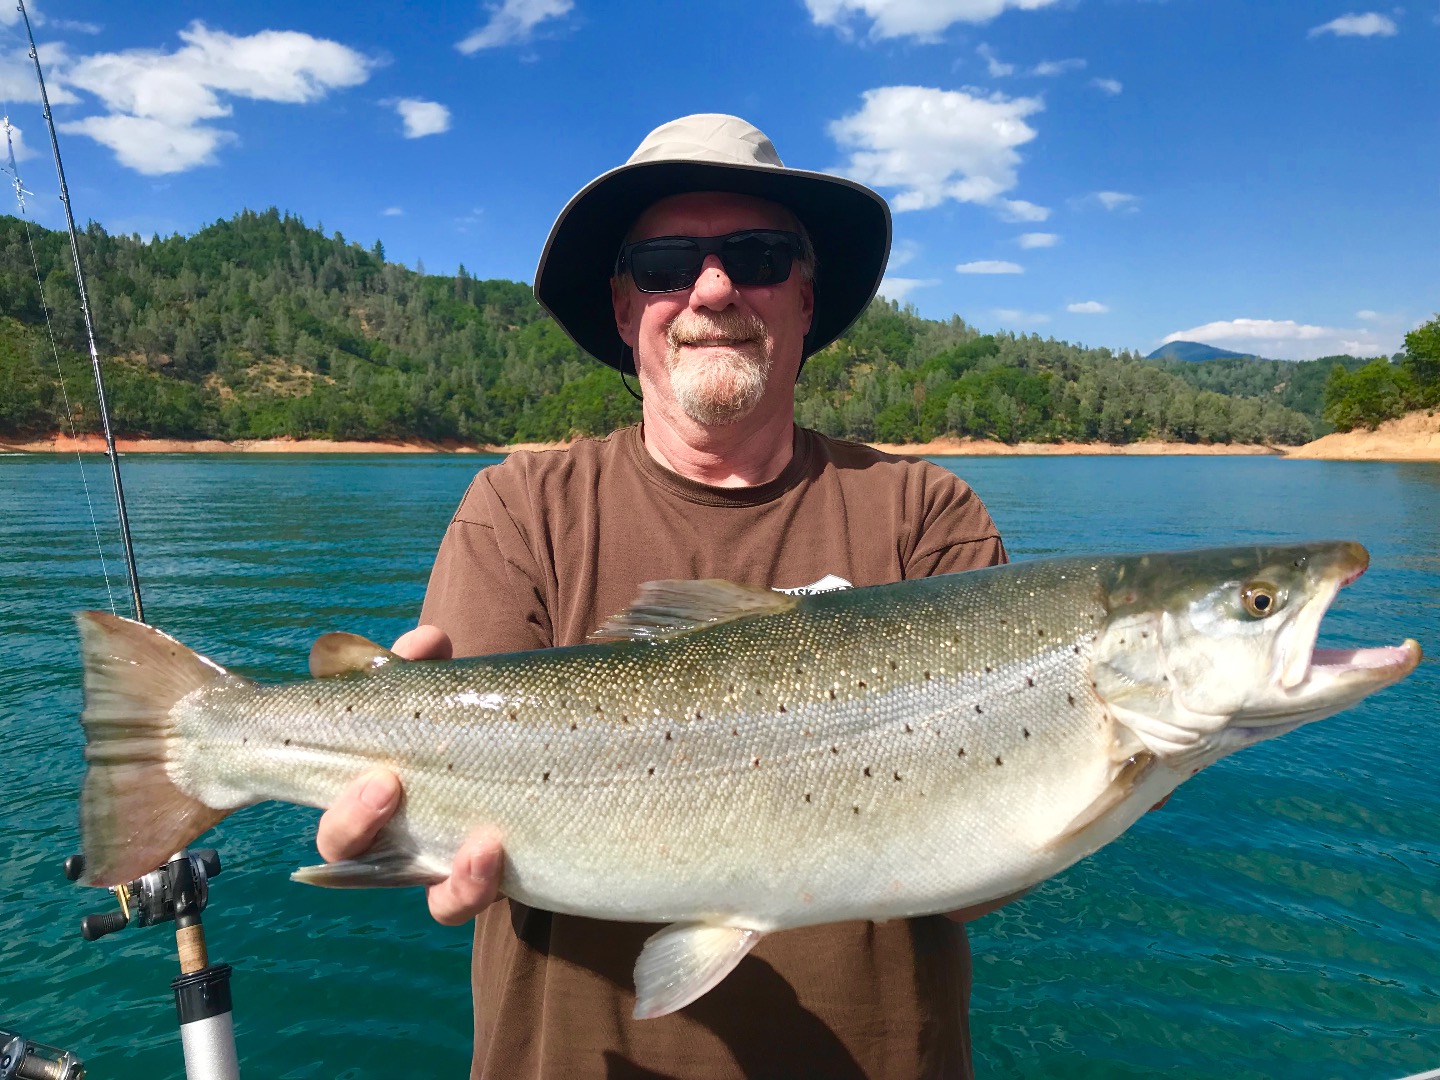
757	260
666	268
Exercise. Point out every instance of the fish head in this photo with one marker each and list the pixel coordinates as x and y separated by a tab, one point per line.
1204	653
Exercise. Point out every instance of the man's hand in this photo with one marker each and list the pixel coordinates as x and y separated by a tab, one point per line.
351	824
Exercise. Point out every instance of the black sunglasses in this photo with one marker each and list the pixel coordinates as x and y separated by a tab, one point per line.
664	264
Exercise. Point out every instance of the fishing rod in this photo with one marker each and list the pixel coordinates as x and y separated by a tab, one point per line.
178	891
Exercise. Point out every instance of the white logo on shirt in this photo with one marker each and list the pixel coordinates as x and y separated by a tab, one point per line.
828	583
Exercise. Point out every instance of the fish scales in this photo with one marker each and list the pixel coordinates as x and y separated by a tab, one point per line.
733	762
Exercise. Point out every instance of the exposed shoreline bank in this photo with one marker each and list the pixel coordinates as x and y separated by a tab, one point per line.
1410	438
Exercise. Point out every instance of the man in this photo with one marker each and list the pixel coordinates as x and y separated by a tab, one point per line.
711	271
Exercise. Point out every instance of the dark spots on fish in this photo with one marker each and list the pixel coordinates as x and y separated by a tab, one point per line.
1029	681
1025	731
807	733
834	749
988	669
861	684
759	692
450	767
978	709
545	779
317	701
698	716
855	809
573	725
1070	698
245	740
417	714
807	796
755	763
599	707
669	737
349	708
908	729
998	761
897	778
513	714
650	771
782	708
1002	620
1144	635
927	676
894	666
735	732
287	742
832	694
961	753
1075	649
867	770
546	746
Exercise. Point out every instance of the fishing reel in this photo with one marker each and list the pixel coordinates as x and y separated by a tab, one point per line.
180	888
21	1059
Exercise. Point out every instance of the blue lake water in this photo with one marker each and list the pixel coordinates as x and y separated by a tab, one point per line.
1279	918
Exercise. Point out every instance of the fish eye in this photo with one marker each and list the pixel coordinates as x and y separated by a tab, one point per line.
1259	599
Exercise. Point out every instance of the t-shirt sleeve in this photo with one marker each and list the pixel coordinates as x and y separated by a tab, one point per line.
486	588
956	532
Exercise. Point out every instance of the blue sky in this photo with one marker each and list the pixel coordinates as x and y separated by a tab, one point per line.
1261	176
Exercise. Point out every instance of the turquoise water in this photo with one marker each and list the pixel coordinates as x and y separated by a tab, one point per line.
1279	918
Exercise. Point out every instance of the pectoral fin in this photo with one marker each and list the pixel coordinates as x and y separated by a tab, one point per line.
1129	775
683	961
669	609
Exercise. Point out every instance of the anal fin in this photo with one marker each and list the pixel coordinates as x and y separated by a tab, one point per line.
1129	775
389	864
681	962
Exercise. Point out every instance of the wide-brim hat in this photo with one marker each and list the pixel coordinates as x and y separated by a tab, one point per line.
848	224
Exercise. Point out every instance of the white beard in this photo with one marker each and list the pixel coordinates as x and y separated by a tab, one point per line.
725	385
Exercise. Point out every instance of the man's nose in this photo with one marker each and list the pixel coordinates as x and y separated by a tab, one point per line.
713	288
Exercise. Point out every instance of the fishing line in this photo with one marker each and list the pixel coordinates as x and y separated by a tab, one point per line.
110	452
10	167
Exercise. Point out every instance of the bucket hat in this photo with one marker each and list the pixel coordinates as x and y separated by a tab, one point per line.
848	224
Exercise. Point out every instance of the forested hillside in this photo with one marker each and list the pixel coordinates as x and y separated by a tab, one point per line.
261	326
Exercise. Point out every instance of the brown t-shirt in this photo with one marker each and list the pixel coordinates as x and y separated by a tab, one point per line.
544	547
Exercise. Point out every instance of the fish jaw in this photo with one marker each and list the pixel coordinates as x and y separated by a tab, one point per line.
1196	670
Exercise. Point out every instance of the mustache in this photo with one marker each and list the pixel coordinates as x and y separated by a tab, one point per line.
690	327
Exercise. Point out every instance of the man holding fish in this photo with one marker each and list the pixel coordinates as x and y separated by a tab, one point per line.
711	271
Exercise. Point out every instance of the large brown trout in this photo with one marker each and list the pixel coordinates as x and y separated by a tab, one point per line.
734	761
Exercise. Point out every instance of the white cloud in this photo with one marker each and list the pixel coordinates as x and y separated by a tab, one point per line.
16	145
1109	86
1367	315
996	68
392	211
1016	317
511	22
1020	210
17	73
901	252
1048	69
1369	24
157	100
1038	239
1044	69
923	19
1116	200
422	117
898	288
1286	339
939	144
990	266
1087	307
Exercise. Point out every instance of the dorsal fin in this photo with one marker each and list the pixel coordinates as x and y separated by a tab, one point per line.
344	654
669	609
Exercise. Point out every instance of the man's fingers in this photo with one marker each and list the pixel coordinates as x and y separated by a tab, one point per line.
473	883
425	642
348	828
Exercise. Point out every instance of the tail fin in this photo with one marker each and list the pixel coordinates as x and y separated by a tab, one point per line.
132	816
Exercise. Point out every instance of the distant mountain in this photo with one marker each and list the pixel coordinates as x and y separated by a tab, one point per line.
1195	351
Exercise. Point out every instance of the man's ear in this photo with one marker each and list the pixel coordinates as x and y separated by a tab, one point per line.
622	301
807	303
